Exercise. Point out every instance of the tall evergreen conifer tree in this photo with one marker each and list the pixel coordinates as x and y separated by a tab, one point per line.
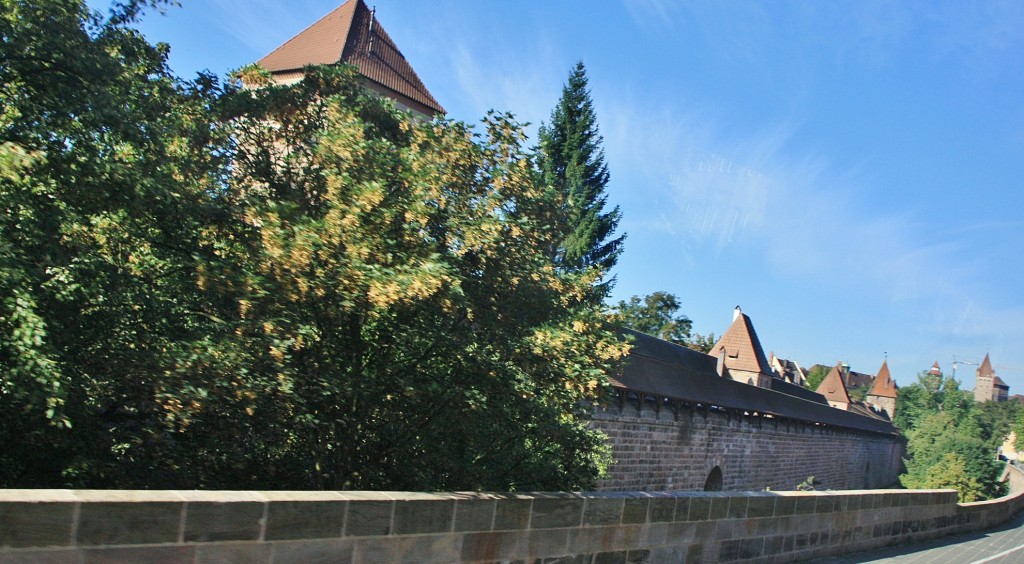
573	167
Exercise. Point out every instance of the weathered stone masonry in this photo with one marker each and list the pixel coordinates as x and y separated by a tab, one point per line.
675	423
657	451
303	527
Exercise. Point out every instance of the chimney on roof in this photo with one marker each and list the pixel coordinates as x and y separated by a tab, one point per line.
736	313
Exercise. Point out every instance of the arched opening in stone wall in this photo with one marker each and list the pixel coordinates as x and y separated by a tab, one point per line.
714	481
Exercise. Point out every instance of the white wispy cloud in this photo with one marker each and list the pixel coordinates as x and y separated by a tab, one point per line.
262	25
528	83
804	217
654	14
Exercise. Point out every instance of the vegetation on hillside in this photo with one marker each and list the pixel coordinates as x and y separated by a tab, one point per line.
204	286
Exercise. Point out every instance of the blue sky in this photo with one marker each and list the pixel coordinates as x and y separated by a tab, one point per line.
849	172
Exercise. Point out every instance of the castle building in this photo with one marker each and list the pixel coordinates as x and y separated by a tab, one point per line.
988	386
788	370
834	390
352	34
679	419
883	392
739	353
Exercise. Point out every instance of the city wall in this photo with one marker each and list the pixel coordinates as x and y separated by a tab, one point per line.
282	527
678	449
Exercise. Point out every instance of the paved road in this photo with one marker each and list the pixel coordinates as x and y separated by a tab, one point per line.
997	546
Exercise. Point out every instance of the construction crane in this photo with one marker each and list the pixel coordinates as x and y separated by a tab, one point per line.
956	362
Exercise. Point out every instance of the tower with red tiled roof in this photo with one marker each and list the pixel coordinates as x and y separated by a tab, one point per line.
883	392
740	355
834	390
988	386
352	34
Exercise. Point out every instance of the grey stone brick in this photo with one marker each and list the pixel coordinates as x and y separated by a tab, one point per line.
512	514
551	513
474	514
603	511
205	522
368	518
291	520
128	523
424	516
319	551
26	524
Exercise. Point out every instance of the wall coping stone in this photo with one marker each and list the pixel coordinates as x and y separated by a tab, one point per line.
358	526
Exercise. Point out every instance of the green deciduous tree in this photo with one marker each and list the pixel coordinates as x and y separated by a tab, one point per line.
940	420
572	165
399	293
656	314
950	472
274	287
105	171
815	376
994	420
702	343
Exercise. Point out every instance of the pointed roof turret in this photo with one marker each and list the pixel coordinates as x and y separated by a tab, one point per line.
883	386
832	386
743	349
986	367
935	371
351	34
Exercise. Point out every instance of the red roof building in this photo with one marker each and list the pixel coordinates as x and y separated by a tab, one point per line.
834	390
988	386
740	354
883	392
352	34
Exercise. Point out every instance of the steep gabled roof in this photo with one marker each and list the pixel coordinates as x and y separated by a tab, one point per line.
997	382
986	367
857	379
787	369
832	386
883	386
351	34
742	347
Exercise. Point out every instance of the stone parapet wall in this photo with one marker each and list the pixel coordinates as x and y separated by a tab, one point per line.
281	527
668	450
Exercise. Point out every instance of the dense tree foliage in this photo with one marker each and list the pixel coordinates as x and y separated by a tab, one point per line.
702	343
655	314
951	440
573	168
273	287
106	167
859	393
815	376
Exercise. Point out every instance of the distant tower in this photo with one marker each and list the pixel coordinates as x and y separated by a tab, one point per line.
883	391
988	386
352	34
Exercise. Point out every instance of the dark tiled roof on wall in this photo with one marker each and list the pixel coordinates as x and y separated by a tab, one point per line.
661	368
